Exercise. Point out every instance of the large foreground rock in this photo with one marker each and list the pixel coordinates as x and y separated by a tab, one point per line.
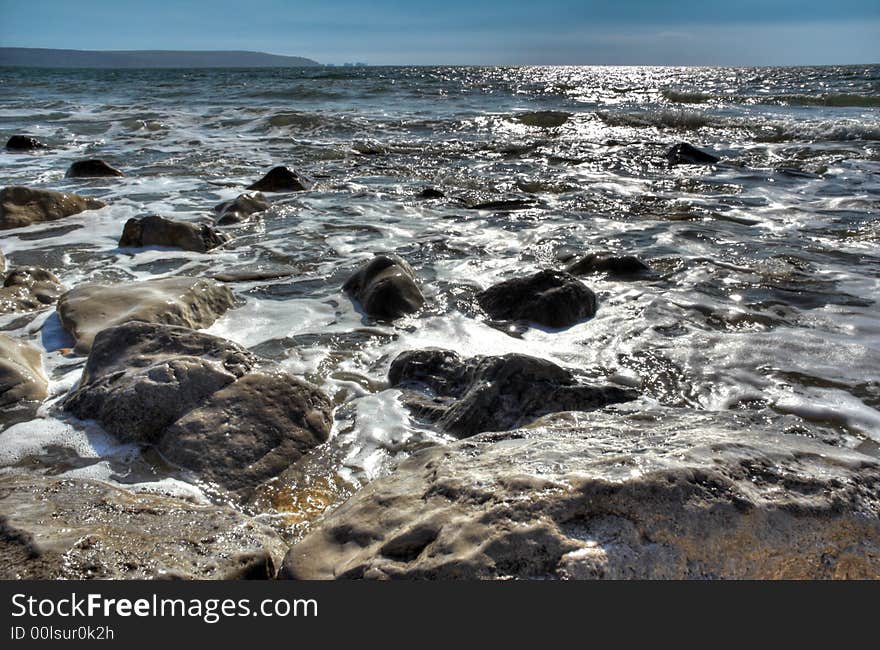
385	287
469	396
550	298
690	495
21	372
159	231
24	206
76	529
28	288
282	179
204	401
191	302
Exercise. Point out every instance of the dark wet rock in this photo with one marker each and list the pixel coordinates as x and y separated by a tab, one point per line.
141	377
544	119
240	209
665	494
250	430
159	231
191	302
469	396
386	288
93	168
21	372
550	298
23	206
282	179
203	400
614	265
431	193
23	143
503	205
685	154
28	288
75	529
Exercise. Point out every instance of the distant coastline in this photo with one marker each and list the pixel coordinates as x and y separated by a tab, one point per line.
52	58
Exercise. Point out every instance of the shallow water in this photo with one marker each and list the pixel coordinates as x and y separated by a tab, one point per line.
768	264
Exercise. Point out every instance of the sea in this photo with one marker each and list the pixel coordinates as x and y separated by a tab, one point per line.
764	298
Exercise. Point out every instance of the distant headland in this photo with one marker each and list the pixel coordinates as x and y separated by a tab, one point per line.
50	58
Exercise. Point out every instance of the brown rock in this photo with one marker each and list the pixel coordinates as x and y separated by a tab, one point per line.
159	231
28	288
21	372
93	168
23	206
282	179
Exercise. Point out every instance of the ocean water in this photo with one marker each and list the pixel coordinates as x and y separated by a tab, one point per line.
765	300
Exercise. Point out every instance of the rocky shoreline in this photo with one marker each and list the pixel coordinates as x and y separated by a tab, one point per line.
553	476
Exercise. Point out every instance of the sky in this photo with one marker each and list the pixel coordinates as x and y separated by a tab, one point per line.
478	32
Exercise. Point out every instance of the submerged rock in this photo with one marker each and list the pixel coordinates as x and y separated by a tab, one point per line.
202	400
544	119
89	308
23	143
550	298
614	265
159	231
386	288
93	168
240	209
28	288
282	179
21	372
431	193
685	154
76	529
469	396
655	494
23	206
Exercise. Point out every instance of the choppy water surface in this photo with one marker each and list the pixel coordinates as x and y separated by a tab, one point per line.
766	300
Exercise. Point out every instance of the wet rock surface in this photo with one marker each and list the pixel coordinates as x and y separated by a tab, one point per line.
24	143
191	302
202	400
550	298
82	529
242	208
29	288
386	288
651	494
93	168
282	179
686	154
23	206
159	231
468	396
613	265
21	372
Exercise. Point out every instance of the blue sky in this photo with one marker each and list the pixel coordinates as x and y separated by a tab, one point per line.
708	32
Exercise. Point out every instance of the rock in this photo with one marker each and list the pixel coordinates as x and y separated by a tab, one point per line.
614	265
21	372
23	143
191	302
202	400
53	528
503	205
250	430
142	377
685	154
550	298
159	231
469	396
242	208
23	206
544	119
386	288
431	193
2	261
28	288
92	169
282	179
666	494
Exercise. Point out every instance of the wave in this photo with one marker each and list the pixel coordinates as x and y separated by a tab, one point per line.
665	119
835	100
687	97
